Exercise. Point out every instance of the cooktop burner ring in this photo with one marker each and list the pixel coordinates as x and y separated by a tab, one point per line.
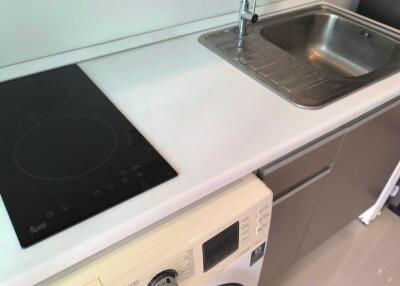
39	101
60	158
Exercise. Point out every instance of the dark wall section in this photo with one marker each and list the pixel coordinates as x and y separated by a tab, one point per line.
385	11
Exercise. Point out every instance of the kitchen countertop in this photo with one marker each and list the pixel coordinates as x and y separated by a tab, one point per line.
210	121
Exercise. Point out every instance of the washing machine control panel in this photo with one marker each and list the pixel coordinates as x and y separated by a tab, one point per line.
192	248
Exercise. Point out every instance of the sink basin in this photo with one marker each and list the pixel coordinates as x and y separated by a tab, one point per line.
333	43
312	56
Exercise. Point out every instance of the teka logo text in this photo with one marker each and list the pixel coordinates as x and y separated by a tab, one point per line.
37	228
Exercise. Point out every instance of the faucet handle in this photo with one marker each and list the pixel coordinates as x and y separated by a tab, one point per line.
254	8
254	18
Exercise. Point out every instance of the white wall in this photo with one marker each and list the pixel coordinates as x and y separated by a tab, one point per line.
31	29
35	28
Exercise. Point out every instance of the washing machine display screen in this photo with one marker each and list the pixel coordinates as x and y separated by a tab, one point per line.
220	246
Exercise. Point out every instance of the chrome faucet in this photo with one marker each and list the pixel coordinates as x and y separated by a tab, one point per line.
245	16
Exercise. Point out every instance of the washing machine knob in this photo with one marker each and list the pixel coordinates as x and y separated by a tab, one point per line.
165	278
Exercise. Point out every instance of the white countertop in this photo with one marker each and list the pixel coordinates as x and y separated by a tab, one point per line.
210	121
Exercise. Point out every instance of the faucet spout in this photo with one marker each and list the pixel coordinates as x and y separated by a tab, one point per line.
246	16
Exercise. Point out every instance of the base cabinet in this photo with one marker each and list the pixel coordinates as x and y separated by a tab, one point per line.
357	165
366	160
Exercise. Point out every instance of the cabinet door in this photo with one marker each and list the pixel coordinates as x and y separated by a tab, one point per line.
365	162
290	216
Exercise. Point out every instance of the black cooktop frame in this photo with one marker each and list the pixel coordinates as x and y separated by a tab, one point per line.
62	109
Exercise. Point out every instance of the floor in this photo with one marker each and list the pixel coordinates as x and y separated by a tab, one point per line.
356	256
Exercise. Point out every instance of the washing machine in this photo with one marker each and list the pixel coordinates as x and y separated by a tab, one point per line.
220	241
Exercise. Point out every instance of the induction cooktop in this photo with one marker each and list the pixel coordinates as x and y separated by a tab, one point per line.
66	153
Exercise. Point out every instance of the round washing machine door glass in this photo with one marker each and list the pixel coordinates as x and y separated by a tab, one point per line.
165	278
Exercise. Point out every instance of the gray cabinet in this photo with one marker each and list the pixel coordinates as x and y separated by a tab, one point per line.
322	188
297	186
365	162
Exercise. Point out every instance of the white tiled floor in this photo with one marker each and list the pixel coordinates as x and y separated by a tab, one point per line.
356	256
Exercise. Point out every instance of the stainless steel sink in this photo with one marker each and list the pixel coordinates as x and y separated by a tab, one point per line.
312	56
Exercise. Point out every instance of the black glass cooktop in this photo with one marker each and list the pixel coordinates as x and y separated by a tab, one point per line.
66	153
